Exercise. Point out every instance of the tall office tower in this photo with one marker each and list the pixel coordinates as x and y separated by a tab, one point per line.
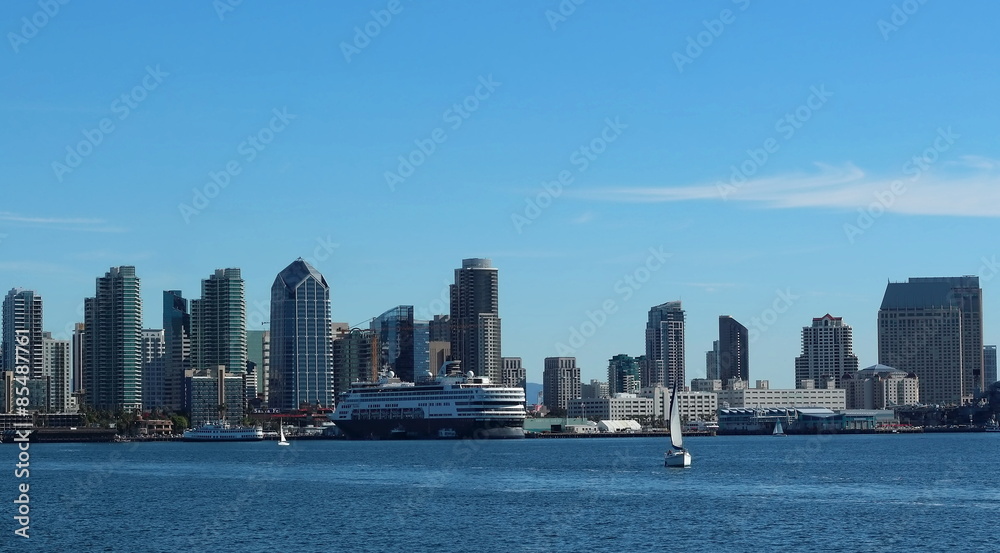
440	328
78	370
989	365
259	355
475	319
933	327
404	343
712	362
664	346
219	323
177	340
512	373
624	374
154	363
827	352
301	341
22	332
734	350
355	358
560	381
57	367
113	342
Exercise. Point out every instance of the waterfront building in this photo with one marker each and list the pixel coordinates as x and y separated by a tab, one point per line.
355	358
57	368
77	363
177	346
743	397
624	374
219	323
301	346
664	364
734	350
475	319
404	343
693	406
214	395
259	358
113	342
827	351
154	361
989	365
22	317
881	387
933	327
619	407
512	373
705	385
712	362
560	382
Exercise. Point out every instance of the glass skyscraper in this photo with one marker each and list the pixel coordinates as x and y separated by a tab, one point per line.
403	342
177	343
22	316
113	342
475	318
301	356
664	346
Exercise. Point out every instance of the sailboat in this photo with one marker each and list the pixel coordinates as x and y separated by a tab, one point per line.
281	435
676	456
778	431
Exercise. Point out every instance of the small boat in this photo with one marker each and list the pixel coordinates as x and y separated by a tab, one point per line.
281	435
778	430
676	456
992	426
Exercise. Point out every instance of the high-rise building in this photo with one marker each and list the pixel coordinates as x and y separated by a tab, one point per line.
301	341
512	373
57	367
22	332
259	356
560	381
219	323
594	389
827	352
475	319
880	387
734	350
989	365
213	395
154	362
624	374
933	327
712	362
177	341
78	370
355	358
664	346
113	342
440	329
404	343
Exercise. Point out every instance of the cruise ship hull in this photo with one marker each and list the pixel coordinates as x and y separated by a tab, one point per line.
388	429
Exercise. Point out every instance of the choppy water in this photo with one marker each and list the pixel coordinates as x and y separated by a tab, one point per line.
760	493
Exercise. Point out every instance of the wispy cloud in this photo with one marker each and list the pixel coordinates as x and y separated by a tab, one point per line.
971	194
584	218
76	224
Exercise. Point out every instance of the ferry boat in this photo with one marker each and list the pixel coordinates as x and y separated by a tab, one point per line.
224	432
451	405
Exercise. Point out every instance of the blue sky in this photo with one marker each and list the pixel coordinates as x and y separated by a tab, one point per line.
770	161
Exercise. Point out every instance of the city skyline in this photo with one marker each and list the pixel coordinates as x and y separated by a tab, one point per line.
601	177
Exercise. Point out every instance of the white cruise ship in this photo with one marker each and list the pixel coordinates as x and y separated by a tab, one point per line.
453	405
224	432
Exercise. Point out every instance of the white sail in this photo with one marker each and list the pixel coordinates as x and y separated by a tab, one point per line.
676	439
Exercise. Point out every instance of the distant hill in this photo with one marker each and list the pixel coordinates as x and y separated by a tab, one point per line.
531	391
